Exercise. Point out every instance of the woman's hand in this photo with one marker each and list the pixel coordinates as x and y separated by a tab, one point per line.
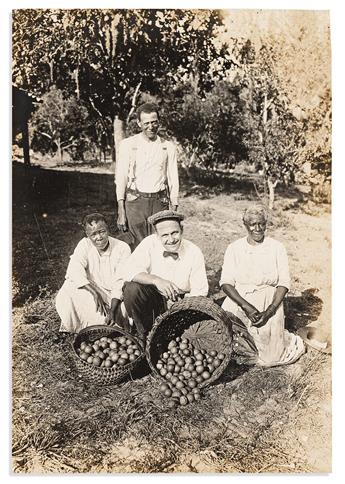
264	316
101	305
251	312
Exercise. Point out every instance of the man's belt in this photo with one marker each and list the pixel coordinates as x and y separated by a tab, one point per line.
156	195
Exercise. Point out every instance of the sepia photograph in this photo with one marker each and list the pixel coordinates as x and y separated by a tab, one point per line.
171	241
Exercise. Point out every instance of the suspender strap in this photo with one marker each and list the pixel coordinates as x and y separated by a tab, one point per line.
133	166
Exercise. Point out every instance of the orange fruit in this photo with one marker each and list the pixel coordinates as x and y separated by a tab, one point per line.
192	383
88	349
179	385
190	397
121	362
221	356
97	361
172	403
163	372
174	380
211	368
114	357
128	341
113	345
199	379
108	363
206	375
90	359
176	394
132	357
122	340
163	387
183	400
168	392
216	362
199	369
213	353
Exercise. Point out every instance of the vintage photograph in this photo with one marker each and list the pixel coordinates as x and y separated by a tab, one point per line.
171	241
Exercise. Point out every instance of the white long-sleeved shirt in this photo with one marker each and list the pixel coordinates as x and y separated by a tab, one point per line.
87	265
187	272
147	166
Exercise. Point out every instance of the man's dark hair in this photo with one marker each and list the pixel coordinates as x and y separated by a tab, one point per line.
93	217
147	108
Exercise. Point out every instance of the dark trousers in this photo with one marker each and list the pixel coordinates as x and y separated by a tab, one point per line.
143	304
138	211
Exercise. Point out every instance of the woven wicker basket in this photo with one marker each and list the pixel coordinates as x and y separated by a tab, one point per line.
204	323
99	375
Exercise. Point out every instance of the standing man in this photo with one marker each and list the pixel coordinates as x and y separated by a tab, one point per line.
146	176
164	267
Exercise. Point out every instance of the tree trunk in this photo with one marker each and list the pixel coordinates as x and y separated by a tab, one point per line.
26	143
119	134
59	150
271	192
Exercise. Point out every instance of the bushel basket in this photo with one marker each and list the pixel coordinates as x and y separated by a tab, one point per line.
100	375
203	322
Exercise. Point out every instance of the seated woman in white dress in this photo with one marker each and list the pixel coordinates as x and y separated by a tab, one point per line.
92	291
255	278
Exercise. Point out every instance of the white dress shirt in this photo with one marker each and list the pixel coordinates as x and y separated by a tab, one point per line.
87	265
187	271
147	166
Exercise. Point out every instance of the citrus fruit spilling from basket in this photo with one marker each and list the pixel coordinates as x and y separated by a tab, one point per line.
185	368
108	352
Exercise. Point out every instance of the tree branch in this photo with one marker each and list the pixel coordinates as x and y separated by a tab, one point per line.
134	100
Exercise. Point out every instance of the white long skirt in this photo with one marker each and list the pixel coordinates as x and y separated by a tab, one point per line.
77	308
275	345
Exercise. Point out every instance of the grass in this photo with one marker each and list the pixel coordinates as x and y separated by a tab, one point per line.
251	420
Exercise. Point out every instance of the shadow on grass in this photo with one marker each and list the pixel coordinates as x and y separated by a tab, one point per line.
302	310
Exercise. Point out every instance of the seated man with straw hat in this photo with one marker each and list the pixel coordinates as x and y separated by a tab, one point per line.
92	291
162	269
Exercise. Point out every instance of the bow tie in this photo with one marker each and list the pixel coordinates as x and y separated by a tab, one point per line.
174	255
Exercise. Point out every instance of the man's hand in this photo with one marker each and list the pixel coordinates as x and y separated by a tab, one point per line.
122	222
167	289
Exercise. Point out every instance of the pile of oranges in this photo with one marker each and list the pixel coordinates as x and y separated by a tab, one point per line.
185	368
108	352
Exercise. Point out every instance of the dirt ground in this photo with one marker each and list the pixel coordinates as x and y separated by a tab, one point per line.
251	420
